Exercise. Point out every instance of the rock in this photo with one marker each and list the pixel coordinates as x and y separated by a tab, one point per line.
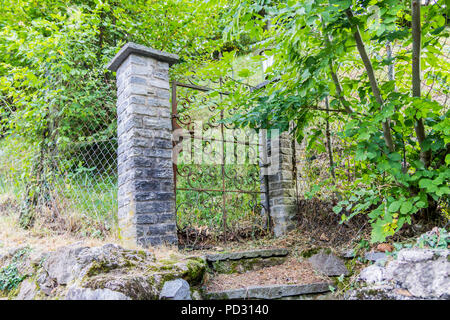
415	255
414	274
136	286
375	256
328	264
98	294
262	253
28	290
62	266
271	291
425	273
70	263
372	274
176	290
104	272
348	254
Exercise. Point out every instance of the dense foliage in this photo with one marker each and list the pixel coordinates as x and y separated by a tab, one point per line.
361	64
57	100
376	72
54	55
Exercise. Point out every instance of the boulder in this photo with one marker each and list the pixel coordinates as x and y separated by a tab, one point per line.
107	272
425	273
375	256
372	274
328	264
28	290
70	263
413	274
176	290
75	293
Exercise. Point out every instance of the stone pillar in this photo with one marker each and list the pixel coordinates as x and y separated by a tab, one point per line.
146	196
281	181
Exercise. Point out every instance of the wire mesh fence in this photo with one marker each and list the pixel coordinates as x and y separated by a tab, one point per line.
313	168
72	184
331	162
59	183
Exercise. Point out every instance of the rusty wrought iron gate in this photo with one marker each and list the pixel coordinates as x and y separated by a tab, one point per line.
223	195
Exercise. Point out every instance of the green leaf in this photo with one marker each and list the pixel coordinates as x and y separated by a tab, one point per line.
406	207
337	209
394	206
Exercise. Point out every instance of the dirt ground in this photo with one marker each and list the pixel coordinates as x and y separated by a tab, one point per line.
292	271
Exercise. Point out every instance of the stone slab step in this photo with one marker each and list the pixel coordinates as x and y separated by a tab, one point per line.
261	253
271	292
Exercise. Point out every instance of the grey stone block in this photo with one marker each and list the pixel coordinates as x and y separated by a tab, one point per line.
147	186
372	274
263	253
97	294
154	207
271	292
328	264
139	54
154	218
175	290
375	256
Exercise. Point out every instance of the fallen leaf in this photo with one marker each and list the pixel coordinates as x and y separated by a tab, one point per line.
323	237
383	247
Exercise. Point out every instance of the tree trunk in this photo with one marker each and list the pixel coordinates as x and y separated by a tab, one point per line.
373	81
425	156
329	147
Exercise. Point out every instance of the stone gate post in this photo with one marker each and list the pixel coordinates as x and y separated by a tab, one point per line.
146	197
278	173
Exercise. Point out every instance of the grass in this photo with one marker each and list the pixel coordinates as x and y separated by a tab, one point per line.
83	203
206	208
85	208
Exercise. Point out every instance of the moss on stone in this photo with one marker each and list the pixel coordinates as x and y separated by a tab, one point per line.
196	270
244	265
310	252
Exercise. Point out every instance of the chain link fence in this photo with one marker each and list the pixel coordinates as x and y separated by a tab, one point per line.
59	182
314	168
72	186
317	171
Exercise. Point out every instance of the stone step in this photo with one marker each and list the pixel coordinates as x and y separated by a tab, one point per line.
271	291
243	261
260	253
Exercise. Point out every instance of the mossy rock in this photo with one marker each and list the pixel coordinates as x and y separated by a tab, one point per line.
134	273
244	265
196	271
310	252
